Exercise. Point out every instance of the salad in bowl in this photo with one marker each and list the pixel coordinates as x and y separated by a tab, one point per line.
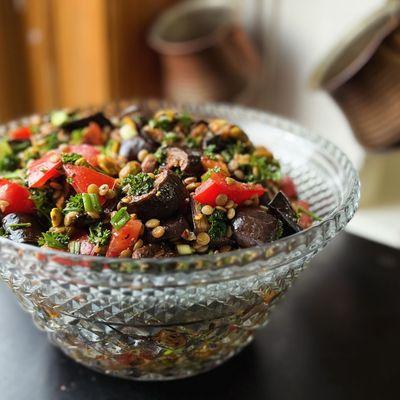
151	239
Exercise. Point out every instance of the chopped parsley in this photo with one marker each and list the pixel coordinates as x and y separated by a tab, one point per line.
185	120
209	151
74	204
267	169
170	138
54	240
218	225
193	142
43	202
232	149
99	234
51	142
161	154
137	185
70	158
207	175
163	122
9	162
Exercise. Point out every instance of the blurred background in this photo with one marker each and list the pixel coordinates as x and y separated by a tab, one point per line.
319	62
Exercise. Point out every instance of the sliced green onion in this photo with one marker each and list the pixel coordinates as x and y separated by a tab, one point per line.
58	117
5	148
91	202
74	247
120	218
20	225
184	249
127	131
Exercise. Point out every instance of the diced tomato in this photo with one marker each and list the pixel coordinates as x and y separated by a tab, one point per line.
239	192
93	134
305	220
20	134
82	177
43	169
87	151
124	238
288	187
17	196
210	164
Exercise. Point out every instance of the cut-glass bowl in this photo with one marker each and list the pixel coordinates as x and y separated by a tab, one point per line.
177	317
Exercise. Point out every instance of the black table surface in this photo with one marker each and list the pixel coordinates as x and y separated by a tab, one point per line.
336	335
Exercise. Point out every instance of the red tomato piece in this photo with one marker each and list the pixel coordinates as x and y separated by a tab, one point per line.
82	177
124	238
305	220
43	169
87	151
288	187
17	196
20	134
239	192
93	134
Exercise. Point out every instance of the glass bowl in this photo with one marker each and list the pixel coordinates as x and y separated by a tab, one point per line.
171	318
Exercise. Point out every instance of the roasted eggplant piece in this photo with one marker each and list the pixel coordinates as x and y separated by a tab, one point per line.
22	228
189	161
130	148
153	250
281	208
254	226
167	197
174	228
99	118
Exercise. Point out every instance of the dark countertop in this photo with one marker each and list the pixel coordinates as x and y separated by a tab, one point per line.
336	335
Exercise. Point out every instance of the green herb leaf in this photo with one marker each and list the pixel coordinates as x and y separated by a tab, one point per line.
120	218
54	240
51	142
74	204
43	202
169	138
218	225
193	142
267	169
207	175
185	120
99	234
209	151
137	185
70	158
161	154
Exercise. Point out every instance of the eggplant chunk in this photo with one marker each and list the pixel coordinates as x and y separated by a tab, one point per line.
167	197
20	233
282	209
189	161
254	226
130	148
153	250
174	228
99	118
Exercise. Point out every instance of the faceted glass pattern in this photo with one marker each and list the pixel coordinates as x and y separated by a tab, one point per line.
172	318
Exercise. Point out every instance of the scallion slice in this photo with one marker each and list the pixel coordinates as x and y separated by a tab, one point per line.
91	202
120	218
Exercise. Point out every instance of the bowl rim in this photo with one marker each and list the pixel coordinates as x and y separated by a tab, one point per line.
272	120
